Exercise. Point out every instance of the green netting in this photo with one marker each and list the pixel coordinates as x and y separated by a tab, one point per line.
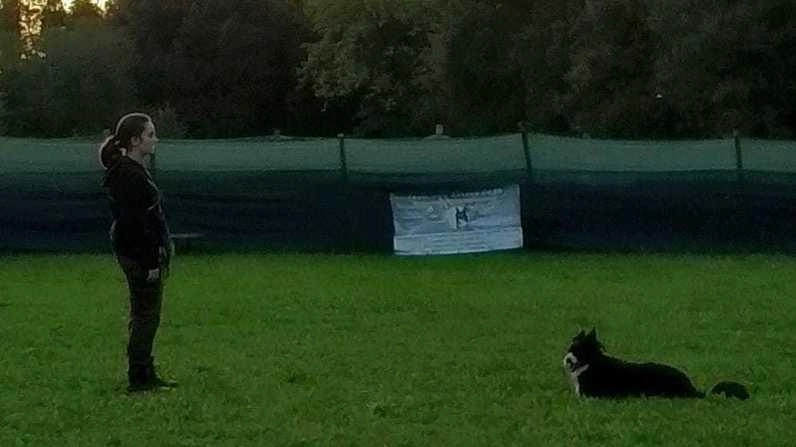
430	156
769	156
414	156
247	155
47	156
295	193
577	154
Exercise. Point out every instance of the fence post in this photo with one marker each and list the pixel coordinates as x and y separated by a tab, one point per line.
527	151
745	213
343	162
738	158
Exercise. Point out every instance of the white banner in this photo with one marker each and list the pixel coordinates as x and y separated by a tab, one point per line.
458	222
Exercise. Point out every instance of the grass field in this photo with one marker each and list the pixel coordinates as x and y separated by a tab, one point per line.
321	350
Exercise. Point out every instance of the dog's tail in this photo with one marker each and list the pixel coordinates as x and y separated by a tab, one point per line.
730	389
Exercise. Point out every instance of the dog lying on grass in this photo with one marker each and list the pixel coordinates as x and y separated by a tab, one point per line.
594	374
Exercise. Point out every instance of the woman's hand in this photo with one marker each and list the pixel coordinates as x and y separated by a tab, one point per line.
165	261
153	275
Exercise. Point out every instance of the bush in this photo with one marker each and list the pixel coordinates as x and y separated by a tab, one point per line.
168	124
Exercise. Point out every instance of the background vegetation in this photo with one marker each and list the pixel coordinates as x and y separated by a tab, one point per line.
226	68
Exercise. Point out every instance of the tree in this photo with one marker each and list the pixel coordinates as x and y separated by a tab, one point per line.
543	52
233	65
728	63
482	70
10	50
29	25
152	25
610	70
10	16
84	10
53	16
82	81
372	53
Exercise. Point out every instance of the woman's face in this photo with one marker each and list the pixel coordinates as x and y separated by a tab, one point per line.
146	142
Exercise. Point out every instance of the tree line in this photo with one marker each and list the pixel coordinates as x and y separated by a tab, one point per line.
391	68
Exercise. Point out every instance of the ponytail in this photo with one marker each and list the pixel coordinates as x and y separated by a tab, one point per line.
110	151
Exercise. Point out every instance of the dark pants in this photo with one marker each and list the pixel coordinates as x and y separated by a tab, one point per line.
145	301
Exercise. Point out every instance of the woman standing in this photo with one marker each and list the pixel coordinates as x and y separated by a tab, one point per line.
140	239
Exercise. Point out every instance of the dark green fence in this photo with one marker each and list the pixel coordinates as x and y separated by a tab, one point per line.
333	194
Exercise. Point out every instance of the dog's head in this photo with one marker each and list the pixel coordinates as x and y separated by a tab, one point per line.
584	349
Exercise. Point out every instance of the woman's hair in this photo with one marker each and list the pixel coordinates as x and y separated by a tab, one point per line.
116	145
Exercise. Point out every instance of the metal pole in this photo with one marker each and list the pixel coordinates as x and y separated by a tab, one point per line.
738	158
343	162
526	151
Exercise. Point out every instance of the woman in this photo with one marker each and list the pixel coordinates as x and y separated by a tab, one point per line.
140	238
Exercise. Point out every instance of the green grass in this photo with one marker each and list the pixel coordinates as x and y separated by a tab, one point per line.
302	350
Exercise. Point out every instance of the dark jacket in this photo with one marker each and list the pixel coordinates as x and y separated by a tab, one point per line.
139	230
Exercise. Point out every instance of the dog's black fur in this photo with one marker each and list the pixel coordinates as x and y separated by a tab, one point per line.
595	374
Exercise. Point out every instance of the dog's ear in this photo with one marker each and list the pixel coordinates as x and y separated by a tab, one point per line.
592	334
581	334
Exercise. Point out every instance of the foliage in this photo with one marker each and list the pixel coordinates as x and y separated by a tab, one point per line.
728	64
612	68
10	49
10	14
85	10
375	52
82	81
482	73
543	51
168	123
231	65
152	26
54	15
608	77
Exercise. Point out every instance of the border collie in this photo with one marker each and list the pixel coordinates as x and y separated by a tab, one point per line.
594	374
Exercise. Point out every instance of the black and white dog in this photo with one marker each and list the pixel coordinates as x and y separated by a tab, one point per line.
594	374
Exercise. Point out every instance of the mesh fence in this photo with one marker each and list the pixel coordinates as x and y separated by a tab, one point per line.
332	193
